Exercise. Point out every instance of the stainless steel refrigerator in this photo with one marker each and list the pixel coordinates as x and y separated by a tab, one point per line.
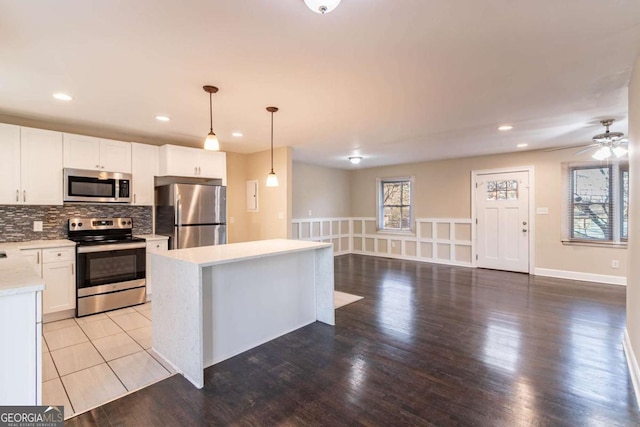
192	214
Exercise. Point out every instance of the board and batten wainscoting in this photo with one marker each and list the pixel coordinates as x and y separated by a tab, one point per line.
438	240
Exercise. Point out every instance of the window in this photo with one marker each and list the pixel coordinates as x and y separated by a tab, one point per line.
395	204
598	202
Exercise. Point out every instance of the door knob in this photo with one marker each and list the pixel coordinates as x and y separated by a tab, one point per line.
524	230
524	222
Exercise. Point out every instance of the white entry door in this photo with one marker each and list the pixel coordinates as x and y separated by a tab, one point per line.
502	209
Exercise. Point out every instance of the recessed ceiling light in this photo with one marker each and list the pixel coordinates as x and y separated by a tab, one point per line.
237	134
505	127
355	159
62	96
522	145
163	118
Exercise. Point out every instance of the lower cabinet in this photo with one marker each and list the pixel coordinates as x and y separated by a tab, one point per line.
57	267
155	244
21	352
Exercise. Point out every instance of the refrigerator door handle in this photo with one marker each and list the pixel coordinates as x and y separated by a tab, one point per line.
179	216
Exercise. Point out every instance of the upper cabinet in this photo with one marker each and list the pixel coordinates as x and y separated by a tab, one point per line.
31	166
144	168
86	152
193	162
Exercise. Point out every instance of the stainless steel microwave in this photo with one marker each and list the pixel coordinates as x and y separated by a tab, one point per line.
82	185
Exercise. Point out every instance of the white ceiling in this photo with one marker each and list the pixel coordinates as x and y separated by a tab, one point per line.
392	80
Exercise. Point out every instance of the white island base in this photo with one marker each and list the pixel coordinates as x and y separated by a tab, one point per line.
212	303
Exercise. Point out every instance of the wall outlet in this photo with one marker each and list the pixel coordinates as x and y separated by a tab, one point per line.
310	212
615	263
37	225
232	220
280	215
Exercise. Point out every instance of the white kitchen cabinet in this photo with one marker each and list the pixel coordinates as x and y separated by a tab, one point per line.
144	168
193	162
21	352
9	164
154	244
30	166
87	152
41	166
58	272
34	257
57	267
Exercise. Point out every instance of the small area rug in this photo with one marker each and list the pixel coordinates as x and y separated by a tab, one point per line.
340	299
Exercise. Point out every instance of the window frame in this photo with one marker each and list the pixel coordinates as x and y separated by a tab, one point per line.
380	200
615	215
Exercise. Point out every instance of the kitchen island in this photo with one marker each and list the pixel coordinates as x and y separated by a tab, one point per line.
214	302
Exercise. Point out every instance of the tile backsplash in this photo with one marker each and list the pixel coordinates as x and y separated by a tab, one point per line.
16	222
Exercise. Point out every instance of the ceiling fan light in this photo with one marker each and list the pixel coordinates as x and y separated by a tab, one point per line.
355	160
322	6
619	151
272	179
211	143
602	153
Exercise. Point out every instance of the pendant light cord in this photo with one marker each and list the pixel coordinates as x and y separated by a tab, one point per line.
272	142
210	113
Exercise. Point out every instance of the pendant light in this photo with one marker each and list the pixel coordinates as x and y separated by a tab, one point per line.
272	178
211	143
322	6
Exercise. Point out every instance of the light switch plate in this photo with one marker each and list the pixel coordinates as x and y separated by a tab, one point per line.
542	211
280	215
37	225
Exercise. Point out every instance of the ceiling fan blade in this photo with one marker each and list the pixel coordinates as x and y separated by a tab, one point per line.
589	148
566	147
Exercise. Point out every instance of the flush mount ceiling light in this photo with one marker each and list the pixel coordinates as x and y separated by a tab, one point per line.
505	127
272	178
237	134
62	96
322	6
163	118
211	142
522	145
355	159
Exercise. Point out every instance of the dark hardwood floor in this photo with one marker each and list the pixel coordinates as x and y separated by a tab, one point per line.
429	345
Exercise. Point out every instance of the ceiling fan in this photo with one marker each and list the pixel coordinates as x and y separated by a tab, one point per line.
608	144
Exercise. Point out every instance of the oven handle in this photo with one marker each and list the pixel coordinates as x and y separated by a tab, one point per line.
114	247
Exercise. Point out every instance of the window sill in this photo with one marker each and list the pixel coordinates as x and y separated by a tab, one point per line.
596	244
396	233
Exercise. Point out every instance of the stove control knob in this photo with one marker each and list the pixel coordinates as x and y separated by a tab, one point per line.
128	222
79	224
73	224
124	222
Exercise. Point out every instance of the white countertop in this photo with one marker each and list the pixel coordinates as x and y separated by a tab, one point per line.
36	244
16	274
220	254
152	236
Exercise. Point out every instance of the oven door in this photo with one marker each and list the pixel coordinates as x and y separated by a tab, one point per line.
104	269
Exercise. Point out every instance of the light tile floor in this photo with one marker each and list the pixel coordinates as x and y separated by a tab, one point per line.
89	361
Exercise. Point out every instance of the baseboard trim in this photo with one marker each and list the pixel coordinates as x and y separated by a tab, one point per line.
632	363
585	277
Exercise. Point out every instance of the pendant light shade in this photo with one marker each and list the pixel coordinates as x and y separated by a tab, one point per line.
211	142
272	178
322	6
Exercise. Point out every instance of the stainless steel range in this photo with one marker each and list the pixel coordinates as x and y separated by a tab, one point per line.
110	264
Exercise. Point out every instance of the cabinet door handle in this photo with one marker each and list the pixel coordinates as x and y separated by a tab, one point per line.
24	196
17	195
38	258
102	167
97	166
134	199
72	270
